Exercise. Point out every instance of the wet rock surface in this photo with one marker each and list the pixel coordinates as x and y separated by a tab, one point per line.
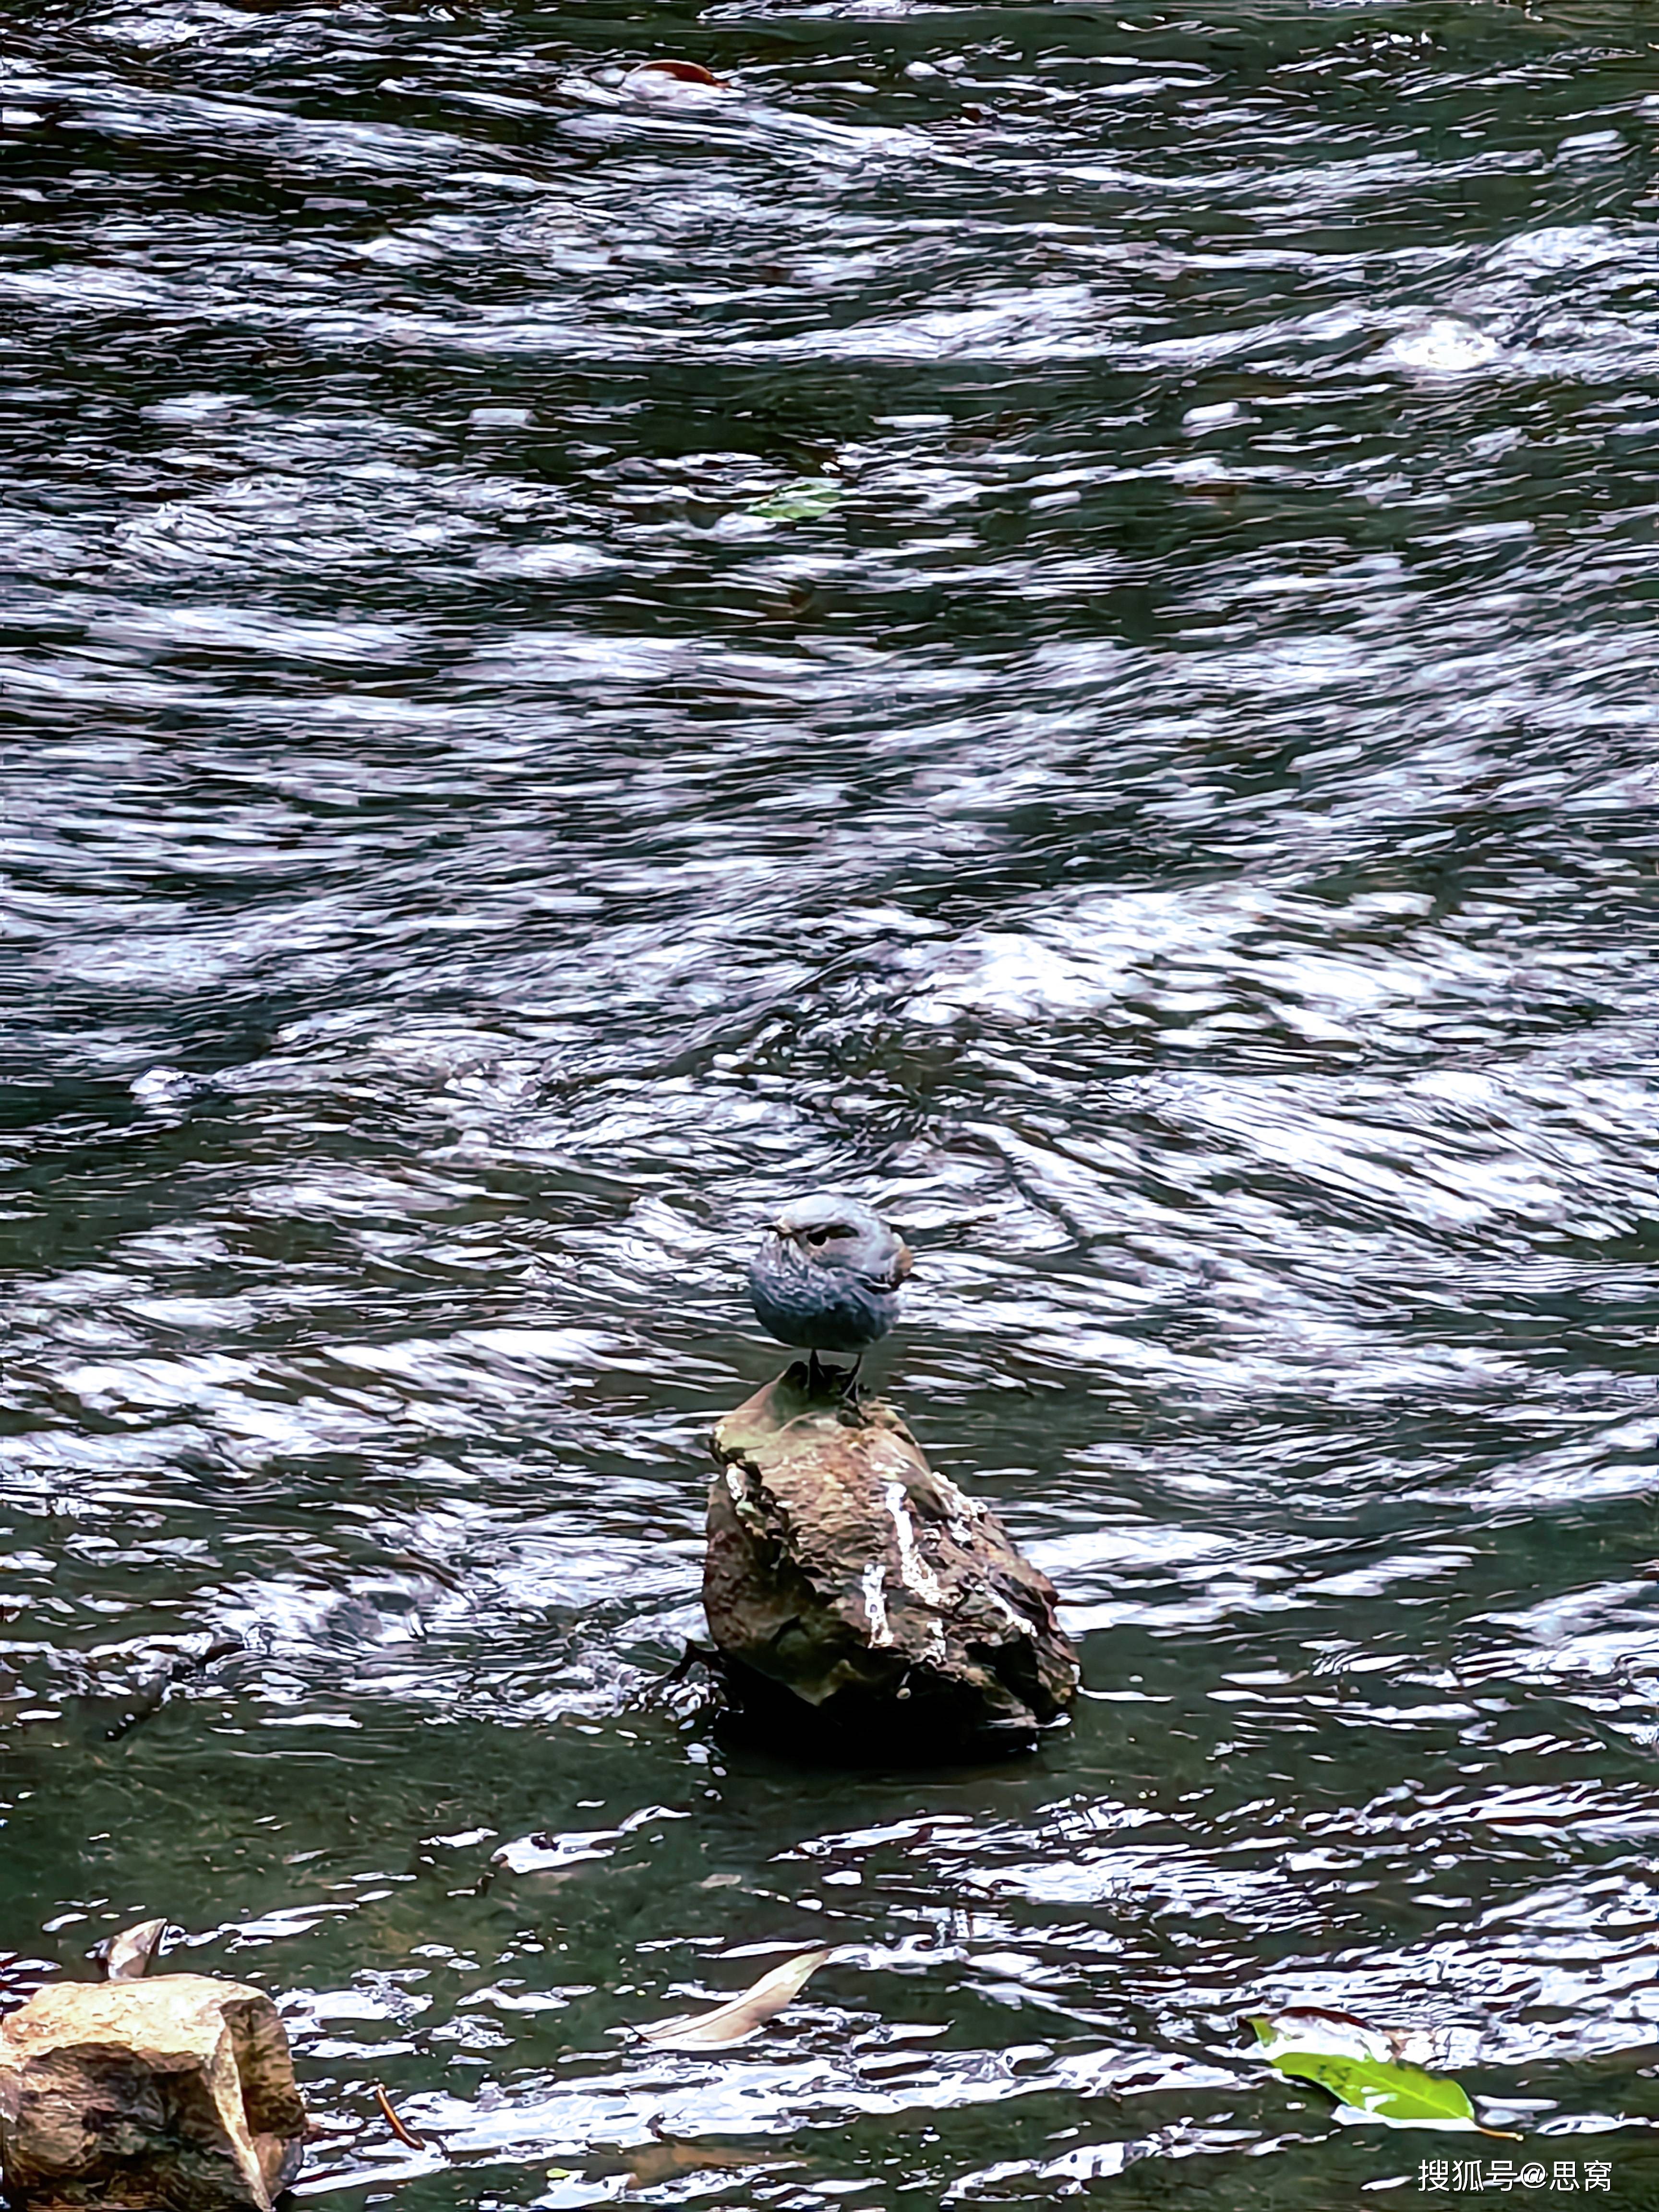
176	2092
852	1589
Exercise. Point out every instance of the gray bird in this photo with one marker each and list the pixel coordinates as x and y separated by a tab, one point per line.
827	1277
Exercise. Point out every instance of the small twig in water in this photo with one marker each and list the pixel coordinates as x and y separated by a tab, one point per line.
151	1695
389	2114
655	1692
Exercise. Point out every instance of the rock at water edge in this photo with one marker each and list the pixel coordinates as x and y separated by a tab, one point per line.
177	2093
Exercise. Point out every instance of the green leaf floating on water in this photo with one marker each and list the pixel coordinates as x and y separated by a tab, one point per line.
1357	2065
804	501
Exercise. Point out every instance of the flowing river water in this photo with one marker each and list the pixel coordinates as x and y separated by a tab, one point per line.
1045	614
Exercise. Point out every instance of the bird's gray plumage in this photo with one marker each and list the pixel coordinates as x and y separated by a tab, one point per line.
827	1275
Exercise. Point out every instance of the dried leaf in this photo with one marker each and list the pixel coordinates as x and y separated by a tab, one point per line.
650	2165
741	2016
127	1956
545	1854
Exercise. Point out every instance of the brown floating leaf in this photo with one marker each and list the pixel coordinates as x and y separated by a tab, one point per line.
128	1956
740	2016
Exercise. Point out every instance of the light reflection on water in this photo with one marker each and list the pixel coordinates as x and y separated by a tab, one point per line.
1175	827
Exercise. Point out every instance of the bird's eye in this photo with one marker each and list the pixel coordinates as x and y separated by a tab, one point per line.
823	1236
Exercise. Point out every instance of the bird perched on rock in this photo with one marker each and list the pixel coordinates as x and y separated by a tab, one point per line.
827	1277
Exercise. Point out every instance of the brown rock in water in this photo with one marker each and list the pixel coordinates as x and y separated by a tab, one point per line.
844	1579
177	2092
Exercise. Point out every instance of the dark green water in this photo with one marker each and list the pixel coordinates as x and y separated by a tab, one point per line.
1177	829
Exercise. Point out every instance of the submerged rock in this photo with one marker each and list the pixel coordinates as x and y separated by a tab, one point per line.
846	1582
177	2092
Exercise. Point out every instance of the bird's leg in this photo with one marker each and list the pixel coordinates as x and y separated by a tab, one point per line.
849	1381
814	1374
